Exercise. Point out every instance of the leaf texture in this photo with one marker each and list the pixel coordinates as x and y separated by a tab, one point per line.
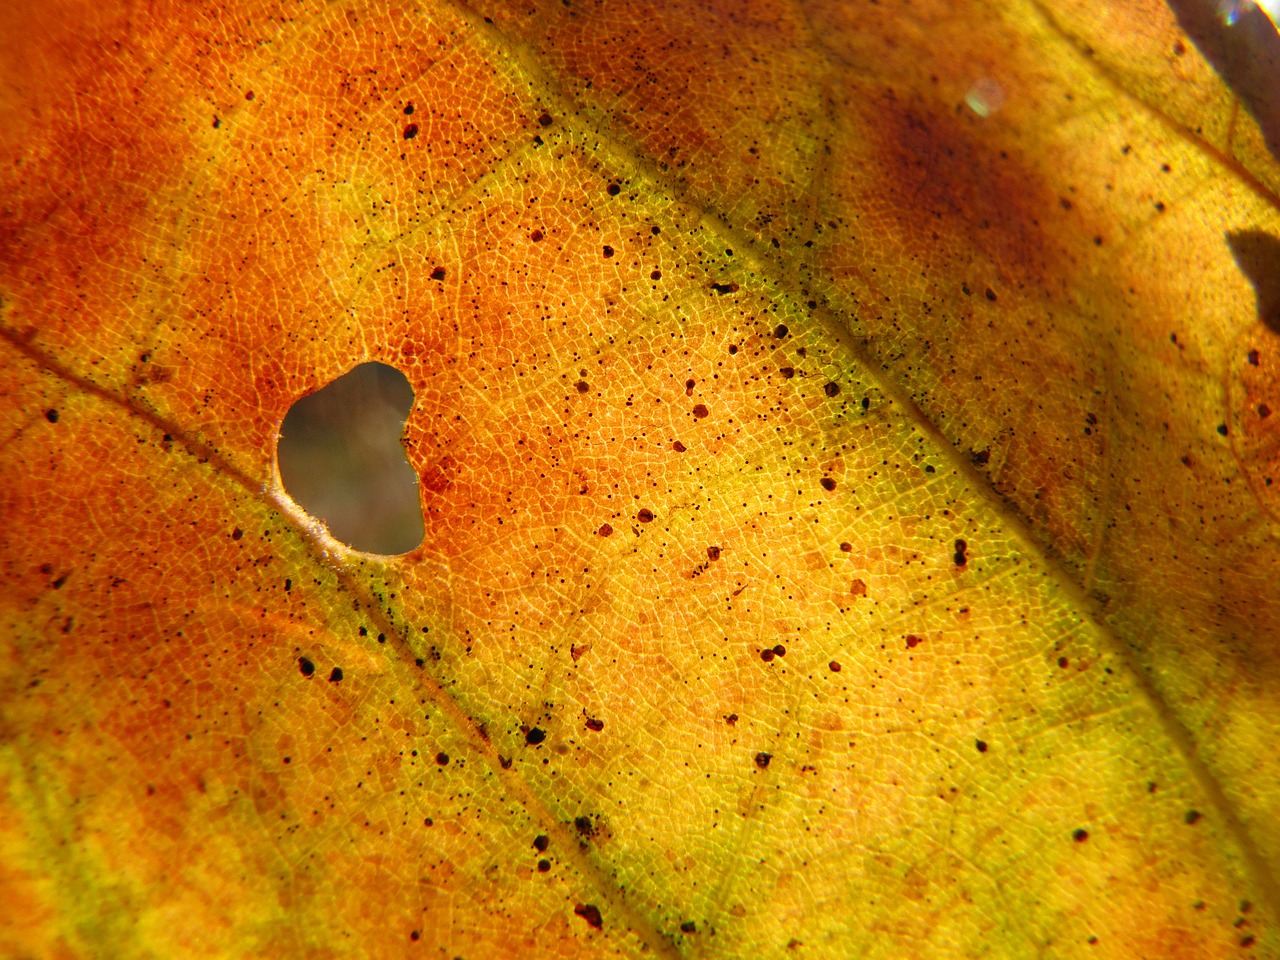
849	514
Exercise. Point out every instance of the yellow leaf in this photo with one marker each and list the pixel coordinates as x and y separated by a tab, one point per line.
849	520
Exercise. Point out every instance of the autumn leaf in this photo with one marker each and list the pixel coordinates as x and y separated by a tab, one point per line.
846	451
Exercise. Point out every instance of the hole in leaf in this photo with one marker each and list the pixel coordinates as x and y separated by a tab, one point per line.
341	460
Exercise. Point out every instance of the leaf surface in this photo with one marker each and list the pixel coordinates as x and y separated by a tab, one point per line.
848	493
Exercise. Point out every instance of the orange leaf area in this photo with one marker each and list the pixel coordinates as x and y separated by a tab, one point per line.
849	521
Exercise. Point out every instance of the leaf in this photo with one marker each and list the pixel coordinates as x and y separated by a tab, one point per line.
900	582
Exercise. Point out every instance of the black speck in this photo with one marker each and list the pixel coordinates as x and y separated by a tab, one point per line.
1191	817
1079	835
981	745
414	934
762	760
51	415
288	585
408	109
536	735
1222	429
306	666
991	294
336	675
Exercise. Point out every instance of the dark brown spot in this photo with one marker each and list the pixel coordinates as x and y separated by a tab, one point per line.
306	666
991	294
981	745
655	275
536	236
544	866
613	189
859	587
1264	411
679	447
723	288
582	386
980	457
408	109
645	515
544	120
535	736
335	675
688	927
1079	834
713	553
1063	662
700	411
437	273
846	547
1191	817
1252	358
780	331
913	641
961	555
541	842
237	533
590	913
731	719
688	386
410	131
414	934
594	724
762	760
767	654
787	372
605	530
834	666
608	251
779	649
584	826
831	389
51	416
442	759
828	484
